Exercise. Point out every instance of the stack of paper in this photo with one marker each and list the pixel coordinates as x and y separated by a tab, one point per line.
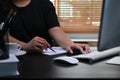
8	66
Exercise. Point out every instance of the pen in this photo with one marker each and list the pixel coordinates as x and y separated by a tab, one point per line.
52	49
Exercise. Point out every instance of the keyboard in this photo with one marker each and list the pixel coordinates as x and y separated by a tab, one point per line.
95	55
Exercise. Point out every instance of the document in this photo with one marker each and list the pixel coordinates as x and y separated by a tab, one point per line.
58	50
114	60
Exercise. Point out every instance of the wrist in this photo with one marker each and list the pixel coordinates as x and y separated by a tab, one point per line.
69	44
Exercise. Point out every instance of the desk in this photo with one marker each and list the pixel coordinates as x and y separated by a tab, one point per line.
42	67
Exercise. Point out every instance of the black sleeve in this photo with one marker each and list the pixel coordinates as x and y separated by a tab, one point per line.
50	14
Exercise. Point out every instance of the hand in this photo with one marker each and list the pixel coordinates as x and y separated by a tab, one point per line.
84	48
37	44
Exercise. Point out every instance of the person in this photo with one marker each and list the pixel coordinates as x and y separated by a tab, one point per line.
35	26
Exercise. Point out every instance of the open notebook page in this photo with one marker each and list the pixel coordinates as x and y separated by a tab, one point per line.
58	50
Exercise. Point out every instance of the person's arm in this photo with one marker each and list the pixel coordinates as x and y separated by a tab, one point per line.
61	39
37	44
12	39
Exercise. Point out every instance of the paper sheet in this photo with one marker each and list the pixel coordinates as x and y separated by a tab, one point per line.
114	60
58	50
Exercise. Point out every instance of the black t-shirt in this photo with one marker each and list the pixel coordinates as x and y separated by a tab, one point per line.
34	20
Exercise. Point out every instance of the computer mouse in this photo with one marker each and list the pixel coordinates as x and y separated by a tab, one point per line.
66	59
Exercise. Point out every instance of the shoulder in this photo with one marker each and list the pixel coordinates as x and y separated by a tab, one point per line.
42	2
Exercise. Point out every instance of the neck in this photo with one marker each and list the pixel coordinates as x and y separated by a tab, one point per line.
21	3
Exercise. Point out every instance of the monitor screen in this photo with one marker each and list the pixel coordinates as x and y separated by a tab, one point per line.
109	33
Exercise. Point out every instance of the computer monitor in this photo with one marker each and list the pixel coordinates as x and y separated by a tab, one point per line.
109	33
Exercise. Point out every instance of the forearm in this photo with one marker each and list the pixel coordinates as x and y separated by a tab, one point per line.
63	41
60	37
12	39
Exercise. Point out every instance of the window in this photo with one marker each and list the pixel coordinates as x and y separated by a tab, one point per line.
79	16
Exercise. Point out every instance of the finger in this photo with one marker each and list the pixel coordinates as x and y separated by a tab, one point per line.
36	43
39	42
41	46
70	50
80	47
86	48
43	42
76	47
37	49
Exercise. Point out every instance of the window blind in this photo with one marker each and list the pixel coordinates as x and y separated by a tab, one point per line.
79	15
